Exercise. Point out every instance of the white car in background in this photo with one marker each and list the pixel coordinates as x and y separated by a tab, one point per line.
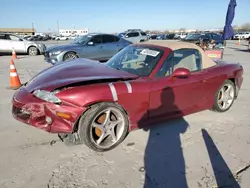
61	38
180	36
242	35
135	36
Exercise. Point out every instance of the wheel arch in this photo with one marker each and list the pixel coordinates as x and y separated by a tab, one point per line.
72	51
232	79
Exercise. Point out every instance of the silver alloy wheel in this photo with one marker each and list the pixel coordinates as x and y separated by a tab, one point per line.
226	96
107	127
70	56
33	51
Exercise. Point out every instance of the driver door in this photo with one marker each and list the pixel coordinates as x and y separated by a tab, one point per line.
95	50
170	96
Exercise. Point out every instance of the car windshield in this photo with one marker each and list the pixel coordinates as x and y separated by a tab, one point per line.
193	36
138	60
82	39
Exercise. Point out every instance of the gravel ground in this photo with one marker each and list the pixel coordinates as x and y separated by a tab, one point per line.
200	150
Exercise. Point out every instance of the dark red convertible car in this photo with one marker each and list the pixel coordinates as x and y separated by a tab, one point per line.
99	103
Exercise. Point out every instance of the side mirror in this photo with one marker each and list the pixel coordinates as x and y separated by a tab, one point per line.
181	73
126	36
20	39
90	44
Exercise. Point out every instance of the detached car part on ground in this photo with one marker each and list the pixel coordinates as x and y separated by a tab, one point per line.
98	104
100	47
8	42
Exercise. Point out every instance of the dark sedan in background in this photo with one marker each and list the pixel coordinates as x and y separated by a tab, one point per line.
199	38
100	47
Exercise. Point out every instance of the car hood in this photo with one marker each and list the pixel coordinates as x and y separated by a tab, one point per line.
61	47
76	71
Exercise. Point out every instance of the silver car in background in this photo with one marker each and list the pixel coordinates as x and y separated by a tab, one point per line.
100	47
9	42
135	36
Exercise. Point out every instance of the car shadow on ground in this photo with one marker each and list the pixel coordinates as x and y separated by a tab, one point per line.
164	162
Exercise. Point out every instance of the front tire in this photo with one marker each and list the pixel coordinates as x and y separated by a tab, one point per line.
224	97
103	127
69	56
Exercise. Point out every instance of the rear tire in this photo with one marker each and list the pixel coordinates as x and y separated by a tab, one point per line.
95	126
224	97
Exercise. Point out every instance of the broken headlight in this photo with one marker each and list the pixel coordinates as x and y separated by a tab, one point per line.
47	96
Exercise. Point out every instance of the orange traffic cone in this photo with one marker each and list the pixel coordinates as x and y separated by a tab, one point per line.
14	56
14	78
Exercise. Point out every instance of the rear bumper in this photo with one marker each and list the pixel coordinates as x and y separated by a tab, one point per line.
30	110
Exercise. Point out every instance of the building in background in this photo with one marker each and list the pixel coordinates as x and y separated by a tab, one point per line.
73	32
19	31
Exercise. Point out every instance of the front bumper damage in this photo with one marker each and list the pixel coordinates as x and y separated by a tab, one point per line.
47	116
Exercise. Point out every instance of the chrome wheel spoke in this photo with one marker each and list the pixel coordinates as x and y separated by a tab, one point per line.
227	91
225	104
101	138
113	124
107	117
96	125
113	135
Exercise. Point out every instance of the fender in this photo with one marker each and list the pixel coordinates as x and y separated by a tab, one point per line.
132	96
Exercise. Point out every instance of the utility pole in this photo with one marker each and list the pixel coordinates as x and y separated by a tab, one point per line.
33	29
58	27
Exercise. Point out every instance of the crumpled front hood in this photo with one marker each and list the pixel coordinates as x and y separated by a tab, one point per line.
78	70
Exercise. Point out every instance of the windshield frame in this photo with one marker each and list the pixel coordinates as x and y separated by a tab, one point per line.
194	34
159	57
89	37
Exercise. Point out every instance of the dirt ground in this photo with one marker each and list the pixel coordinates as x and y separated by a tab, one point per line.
200	150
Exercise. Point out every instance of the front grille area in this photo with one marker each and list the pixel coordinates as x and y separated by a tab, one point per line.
19	113
46	54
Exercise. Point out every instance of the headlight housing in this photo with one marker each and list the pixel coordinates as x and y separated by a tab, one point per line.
56	53
47	96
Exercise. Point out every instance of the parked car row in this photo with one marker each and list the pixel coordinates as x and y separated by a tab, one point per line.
37	38
199	38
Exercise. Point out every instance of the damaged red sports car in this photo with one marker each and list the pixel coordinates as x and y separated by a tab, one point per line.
98	104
